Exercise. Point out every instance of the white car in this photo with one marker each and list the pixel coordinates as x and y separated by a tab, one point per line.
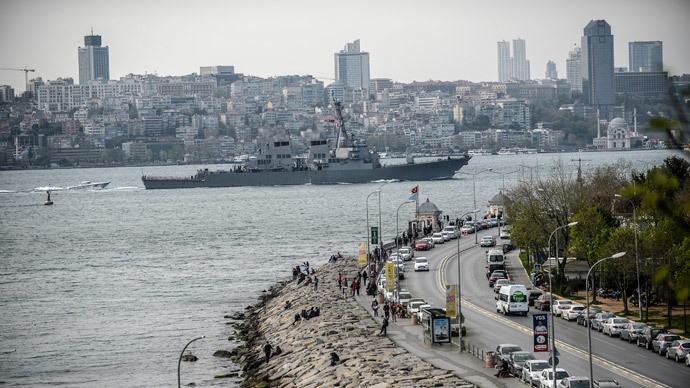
505	234
452	230
546	378
399	262
488	241
467	229
559	304
406	253
500	283
437	238
421	264
531	370
570	312
446	235
613	326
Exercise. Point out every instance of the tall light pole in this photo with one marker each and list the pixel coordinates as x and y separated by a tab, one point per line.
369	231
459	288
553	318
589	329
637	262
381	229
180	360
397	222
474	196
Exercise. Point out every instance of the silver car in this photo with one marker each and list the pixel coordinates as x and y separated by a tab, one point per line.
630	331
678	350
531	371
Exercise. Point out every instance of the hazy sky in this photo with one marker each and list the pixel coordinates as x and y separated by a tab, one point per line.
406	40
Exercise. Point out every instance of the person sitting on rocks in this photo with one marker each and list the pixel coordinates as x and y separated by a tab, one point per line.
334	358
288	305
297	318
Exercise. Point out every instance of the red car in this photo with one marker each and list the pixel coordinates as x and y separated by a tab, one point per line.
421	245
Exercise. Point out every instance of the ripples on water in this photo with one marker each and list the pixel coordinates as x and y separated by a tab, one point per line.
105	287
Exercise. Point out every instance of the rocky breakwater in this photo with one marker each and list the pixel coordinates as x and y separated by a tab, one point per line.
342	327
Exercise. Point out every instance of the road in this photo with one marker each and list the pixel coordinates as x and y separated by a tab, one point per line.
612	359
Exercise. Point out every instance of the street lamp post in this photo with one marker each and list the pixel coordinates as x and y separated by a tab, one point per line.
380	228
180	360
459	296
503	191
474	197
553	318
589	330
397	222
369	231
637	262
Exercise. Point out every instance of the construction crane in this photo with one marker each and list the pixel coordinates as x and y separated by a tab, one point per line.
26	75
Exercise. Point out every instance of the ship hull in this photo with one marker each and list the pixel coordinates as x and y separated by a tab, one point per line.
440	169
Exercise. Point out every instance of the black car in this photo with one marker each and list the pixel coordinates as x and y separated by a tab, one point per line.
533	295
648	335
516	360
507	247
503	352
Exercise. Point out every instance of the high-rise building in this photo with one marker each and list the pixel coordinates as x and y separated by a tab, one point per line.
573	69
520	62
352	66
94	62
646	56
597	66
504	64
551	72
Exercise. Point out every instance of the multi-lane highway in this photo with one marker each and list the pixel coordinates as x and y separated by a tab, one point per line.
612	358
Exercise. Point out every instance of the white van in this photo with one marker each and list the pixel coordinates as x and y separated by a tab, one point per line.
495	256
512	299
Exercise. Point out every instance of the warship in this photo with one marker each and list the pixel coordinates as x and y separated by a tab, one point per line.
345	160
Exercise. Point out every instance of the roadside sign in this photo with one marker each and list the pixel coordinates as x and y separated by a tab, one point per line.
537	267
374	235
540	325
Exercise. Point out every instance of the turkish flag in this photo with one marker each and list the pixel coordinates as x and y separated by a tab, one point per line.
415	189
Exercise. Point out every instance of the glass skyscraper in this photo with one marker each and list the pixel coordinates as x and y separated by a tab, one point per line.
94	62
352	66
646	56
504	62
597	66
573	69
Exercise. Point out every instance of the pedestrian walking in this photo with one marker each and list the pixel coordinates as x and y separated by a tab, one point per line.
267	350
384	325
316	283
386	311
375	307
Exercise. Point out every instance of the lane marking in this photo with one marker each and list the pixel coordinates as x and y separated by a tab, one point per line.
584	355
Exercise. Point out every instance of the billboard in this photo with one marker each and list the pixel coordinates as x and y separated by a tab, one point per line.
362	254
390	275
440	330
540	325
451	300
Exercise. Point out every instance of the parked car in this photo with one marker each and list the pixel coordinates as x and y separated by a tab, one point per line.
507	247
430	241
452	230
648	335
467	229
678	350
547	377
543	302
404	297
663	341
574	382
421	264
499	283
585	316
571	312
558	305
505	234
487	241
613	326
532	296
599	319
516	360
413	307
630	331
495	276
531	370
503	351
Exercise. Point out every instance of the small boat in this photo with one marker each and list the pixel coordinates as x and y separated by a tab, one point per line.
89	185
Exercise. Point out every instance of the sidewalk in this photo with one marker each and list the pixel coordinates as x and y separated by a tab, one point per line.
466	365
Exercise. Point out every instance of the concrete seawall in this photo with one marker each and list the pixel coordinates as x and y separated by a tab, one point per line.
343	327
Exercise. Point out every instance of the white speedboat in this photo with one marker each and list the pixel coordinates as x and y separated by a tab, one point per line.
89	185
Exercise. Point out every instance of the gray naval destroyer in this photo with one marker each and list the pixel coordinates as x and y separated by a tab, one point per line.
350	161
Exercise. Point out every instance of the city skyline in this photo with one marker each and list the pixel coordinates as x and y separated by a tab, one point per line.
407	41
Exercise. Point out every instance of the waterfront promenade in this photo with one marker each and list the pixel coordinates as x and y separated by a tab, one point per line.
346	326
